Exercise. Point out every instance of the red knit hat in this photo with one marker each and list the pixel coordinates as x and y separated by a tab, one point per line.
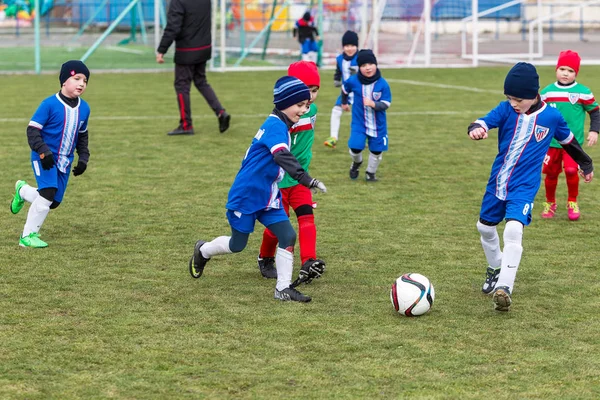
306	71
569	59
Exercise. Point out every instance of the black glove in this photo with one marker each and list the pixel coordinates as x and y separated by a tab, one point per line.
47	160
80	168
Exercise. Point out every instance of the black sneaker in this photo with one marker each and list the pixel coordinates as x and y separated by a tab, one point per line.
370	177
198	262
267	267
311	269
502	298
224	119
491	278
291	294
180	131
354	170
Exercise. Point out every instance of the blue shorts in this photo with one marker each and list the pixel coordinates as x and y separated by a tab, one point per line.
495	210
245	222
309	45
51	178
357	141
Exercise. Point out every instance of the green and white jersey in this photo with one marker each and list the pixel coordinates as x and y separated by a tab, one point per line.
573	102
302	136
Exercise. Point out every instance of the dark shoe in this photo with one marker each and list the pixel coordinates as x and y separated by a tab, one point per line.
354	170
502	299
311	269
198	262
291	294
370	177
224	119
267	267
181	131
491	278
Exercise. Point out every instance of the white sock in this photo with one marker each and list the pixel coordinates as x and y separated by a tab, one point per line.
305	57
374	161
356	157
218	246
284	263
336	117
28	193
513	237
37	214
313	56
491	244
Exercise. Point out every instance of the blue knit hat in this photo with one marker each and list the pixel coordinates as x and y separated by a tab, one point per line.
522	82
366	56
71	68
289	91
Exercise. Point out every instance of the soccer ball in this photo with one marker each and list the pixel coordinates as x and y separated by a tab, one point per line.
412	295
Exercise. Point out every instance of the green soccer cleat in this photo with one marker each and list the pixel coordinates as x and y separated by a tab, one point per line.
33	241
17	202
331	142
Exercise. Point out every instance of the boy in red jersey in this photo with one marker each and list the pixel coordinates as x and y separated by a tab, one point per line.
295	195
573	100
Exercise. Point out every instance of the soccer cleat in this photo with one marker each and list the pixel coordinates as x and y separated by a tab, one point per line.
180	131
502	298
291	294
224	119
549	210
17	202
311	269
354	169
491	278
267	267
573	210
331	142
370	177
198	262
32	241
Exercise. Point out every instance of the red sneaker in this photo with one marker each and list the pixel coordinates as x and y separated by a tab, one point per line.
573	209
549	210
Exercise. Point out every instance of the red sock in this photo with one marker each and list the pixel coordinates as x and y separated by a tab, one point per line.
551	182
572	183
268	247
308	237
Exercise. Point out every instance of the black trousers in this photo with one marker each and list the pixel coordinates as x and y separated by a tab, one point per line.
184	75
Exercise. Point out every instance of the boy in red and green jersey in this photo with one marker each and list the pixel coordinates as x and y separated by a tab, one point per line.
293	194
573	100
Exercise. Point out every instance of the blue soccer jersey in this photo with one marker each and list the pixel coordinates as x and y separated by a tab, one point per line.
60	125
347	68
523	141
255	186
365	119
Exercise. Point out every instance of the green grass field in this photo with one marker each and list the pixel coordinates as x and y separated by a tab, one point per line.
110	311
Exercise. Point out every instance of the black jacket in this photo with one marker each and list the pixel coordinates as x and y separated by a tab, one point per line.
189	25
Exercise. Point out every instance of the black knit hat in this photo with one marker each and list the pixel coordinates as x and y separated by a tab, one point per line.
366	56
350	37
70	68
522	81
306	16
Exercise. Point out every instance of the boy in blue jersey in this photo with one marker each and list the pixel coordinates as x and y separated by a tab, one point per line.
58	127
526	126
255	194
372	97
345	66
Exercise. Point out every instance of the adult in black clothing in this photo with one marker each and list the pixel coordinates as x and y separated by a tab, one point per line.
189	26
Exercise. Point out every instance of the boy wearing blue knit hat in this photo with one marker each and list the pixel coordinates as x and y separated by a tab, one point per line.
526	126
56	130
255	195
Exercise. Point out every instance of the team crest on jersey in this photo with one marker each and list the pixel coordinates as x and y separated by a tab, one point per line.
313	120
573	97
541	132
376	96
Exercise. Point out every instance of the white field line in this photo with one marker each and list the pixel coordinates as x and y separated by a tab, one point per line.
444	86
236	116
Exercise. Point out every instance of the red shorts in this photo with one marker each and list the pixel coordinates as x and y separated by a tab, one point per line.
295	197
554	161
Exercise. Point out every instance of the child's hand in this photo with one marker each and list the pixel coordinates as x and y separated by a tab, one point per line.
592	138
587	178
346	107
478	134
368	102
